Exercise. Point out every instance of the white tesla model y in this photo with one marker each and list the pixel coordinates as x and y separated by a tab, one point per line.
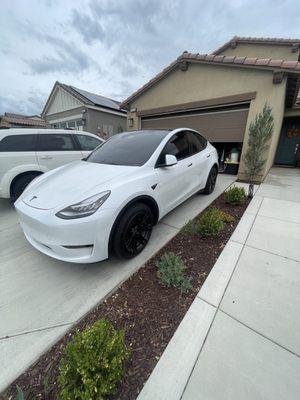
108	203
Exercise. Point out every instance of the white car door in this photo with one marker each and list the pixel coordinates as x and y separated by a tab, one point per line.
199	160
87	143
56	149
174	182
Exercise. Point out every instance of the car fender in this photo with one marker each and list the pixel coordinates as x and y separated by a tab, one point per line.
10	175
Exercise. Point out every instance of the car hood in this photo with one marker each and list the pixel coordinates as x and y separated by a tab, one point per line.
73	183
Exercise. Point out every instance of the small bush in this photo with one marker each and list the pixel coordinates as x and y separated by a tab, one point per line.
227	218
210	223
235	196
171	272
190	228
93	363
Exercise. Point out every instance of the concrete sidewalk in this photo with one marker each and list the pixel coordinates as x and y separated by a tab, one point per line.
241	337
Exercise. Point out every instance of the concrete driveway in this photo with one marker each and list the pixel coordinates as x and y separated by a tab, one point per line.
41	298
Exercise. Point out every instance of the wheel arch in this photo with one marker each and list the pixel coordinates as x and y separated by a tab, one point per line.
35	172
148	200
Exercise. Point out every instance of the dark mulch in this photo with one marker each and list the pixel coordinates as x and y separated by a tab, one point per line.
149	312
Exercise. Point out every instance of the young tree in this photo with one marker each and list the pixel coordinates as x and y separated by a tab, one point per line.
260	132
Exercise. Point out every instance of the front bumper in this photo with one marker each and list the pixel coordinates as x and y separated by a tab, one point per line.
82	240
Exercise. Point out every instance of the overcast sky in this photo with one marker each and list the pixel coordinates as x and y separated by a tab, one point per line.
114	47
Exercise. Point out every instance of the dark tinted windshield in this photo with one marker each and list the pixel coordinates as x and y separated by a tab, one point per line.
128	148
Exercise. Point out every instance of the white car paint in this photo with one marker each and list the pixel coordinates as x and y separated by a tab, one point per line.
58	189
15	163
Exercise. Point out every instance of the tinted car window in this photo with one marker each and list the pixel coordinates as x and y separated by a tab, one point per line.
128	148
18	143
88	142
55	142
178	146
197	142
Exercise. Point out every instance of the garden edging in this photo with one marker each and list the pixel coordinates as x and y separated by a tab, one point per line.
170	375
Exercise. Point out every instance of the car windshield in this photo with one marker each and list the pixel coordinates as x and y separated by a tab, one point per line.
128	148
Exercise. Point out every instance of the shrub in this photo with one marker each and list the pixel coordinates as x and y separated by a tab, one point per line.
93	363
171	272
227	218
190	228
210	223
235	196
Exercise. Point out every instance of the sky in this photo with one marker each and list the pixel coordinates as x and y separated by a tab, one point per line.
113	47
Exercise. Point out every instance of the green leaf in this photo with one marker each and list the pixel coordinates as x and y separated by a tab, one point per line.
20	394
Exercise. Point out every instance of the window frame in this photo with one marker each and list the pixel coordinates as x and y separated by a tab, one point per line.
159	165
75	145
35	135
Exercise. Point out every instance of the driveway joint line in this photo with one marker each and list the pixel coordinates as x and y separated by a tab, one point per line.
279	219
259	333
36	330
219	305
171	226
270	252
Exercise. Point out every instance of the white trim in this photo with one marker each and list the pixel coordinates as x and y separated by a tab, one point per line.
70	118
107	111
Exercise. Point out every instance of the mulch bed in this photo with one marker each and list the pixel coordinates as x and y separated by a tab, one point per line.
149	312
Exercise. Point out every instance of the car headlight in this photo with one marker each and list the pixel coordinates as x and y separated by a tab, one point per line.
85	207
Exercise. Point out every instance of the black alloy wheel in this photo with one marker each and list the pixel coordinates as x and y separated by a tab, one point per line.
211	181
133	231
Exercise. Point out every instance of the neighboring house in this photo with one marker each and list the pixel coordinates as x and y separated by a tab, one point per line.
69	107
10	120
220	94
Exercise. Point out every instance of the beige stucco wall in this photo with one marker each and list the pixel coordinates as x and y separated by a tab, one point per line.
262	51
202	82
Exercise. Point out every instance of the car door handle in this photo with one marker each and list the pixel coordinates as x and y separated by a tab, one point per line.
46	157
190	164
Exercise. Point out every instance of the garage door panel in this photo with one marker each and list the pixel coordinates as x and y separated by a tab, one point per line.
225	126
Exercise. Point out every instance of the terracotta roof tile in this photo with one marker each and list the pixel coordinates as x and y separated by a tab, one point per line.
239	39
239	60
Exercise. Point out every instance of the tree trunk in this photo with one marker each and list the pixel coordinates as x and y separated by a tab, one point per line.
251	190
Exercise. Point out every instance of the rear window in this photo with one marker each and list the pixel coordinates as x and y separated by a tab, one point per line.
128	148
18	143
56	142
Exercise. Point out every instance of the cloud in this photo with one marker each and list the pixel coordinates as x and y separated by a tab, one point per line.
31	104
113	47
90	29
69	58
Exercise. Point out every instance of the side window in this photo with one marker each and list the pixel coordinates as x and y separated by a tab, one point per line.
55	142
18	143
197	142
87	142
178	146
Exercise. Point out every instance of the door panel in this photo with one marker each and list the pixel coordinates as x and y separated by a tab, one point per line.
216	126
55	150
289	142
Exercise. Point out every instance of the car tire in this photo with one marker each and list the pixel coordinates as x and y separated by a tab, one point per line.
211	181
133	231
19	185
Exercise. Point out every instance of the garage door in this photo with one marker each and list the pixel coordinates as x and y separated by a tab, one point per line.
217	126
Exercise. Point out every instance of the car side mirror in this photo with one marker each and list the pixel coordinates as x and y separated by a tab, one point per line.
170	160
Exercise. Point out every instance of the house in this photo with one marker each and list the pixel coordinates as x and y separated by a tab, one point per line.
219	94
10	120
73	108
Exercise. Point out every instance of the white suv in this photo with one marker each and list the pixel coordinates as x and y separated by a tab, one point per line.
26	153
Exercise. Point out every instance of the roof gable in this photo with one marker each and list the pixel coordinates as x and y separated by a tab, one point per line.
60	100
229	61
